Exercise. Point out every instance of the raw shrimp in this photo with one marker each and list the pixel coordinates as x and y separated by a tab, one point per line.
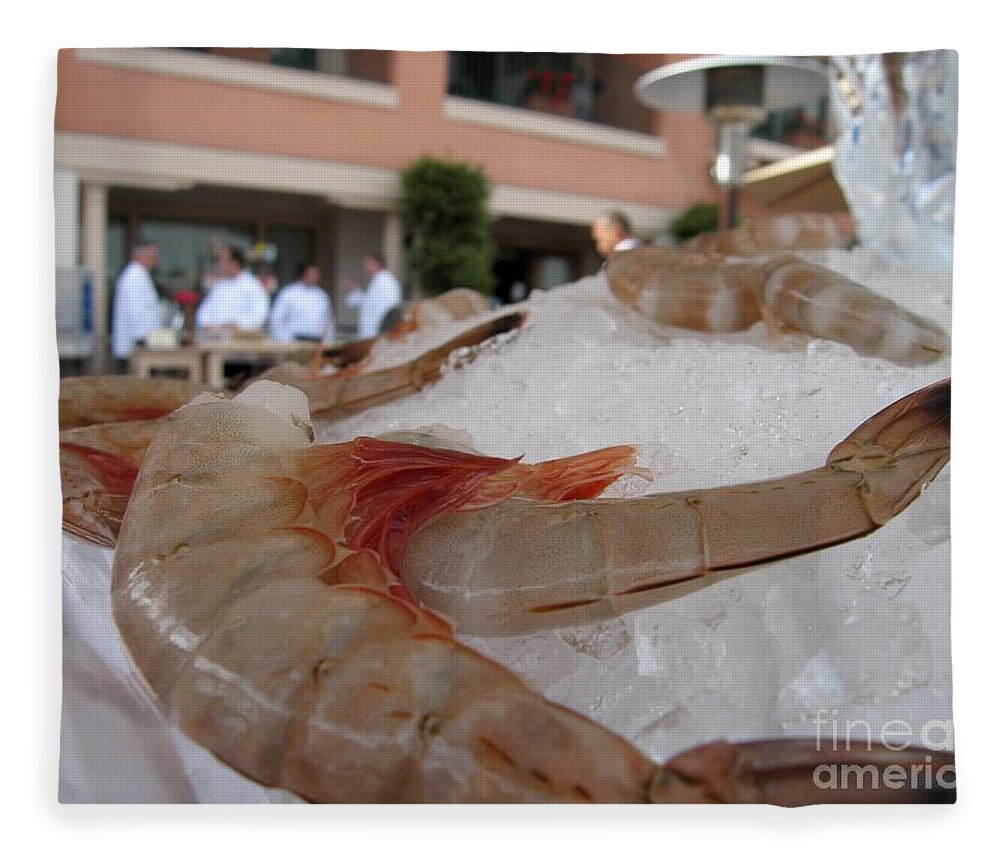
449	307
697	287
345	394
234	590
521	565
422	316
799	231
98	463
88	400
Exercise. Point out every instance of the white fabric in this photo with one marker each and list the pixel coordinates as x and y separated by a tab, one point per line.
301	310
136	309
381	295
116	744
241	301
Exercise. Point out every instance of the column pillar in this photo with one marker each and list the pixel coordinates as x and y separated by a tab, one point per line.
392	244
93	252
67	200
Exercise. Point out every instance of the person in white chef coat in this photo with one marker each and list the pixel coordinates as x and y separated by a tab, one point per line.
382	294
136	310
236	303
302	310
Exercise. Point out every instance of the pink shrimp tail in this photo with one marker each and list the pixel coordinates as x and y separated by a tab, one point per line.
377	493
581	476
374	494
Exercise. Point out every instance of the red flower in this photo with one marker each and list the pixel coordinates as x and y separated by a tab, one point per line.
187	298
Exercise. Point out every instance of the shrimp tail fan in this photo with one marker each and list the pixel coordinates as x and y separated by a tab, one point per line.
384	491
581	476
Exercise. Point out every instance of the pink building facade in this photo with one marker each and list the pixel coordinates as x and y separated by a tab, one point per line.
299	152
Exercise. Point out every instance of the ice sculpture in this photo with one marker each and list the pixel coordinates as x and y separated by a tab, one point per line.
895	156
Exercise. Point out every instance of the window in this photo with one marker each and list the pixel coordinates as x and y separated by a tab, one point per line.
804	127
590	87
293	246
363	65
294	58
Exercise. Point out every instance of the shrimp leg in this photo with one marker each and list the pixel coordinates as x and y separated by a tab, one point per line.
521	565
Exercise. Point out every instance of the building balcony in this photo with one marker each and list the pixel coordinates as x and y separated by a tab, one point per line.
592	88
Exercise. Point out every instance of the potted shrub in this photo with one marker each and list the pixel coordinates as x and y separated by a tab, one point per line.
444	210
697	218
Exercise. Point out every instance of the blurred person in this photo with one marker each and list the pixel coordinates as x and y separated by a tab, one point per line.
302	309
236	303
375	301
613	232
136	311
510	293
518	292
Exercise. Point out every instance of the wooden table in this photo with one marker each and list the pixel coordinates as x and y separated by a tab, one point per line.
143	361
204	361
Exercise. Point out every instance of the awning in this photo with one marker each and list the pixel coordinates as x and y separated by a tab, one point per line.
801	183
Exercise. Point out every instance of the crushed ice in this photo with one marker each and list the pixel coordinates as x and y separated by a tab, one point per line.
861	628
857	632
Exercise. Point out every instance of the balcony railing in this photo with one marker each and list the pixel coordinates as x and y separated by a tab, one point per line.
806	127
594	88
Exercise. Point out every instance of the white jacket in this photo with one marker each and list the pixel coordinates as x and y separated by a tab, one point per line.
301	310
241	301
381	295
136	309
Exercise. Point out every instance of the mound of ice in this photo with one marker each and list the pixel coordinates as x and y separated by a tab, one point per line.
853	636
860	629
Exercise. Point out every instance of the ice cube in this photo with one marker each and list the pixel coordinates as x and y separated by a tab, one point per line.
600	641
677	648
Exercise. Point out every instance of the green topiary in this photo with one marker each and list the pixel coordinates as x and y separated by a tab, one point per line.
698	218
445	215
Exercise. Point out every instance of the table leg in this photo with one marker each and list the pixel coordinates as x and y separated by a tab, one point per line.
196	368
139	365
142	363
215	369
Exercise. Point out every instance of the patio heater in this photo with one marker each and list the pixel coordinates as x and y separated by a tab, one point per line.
736	93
